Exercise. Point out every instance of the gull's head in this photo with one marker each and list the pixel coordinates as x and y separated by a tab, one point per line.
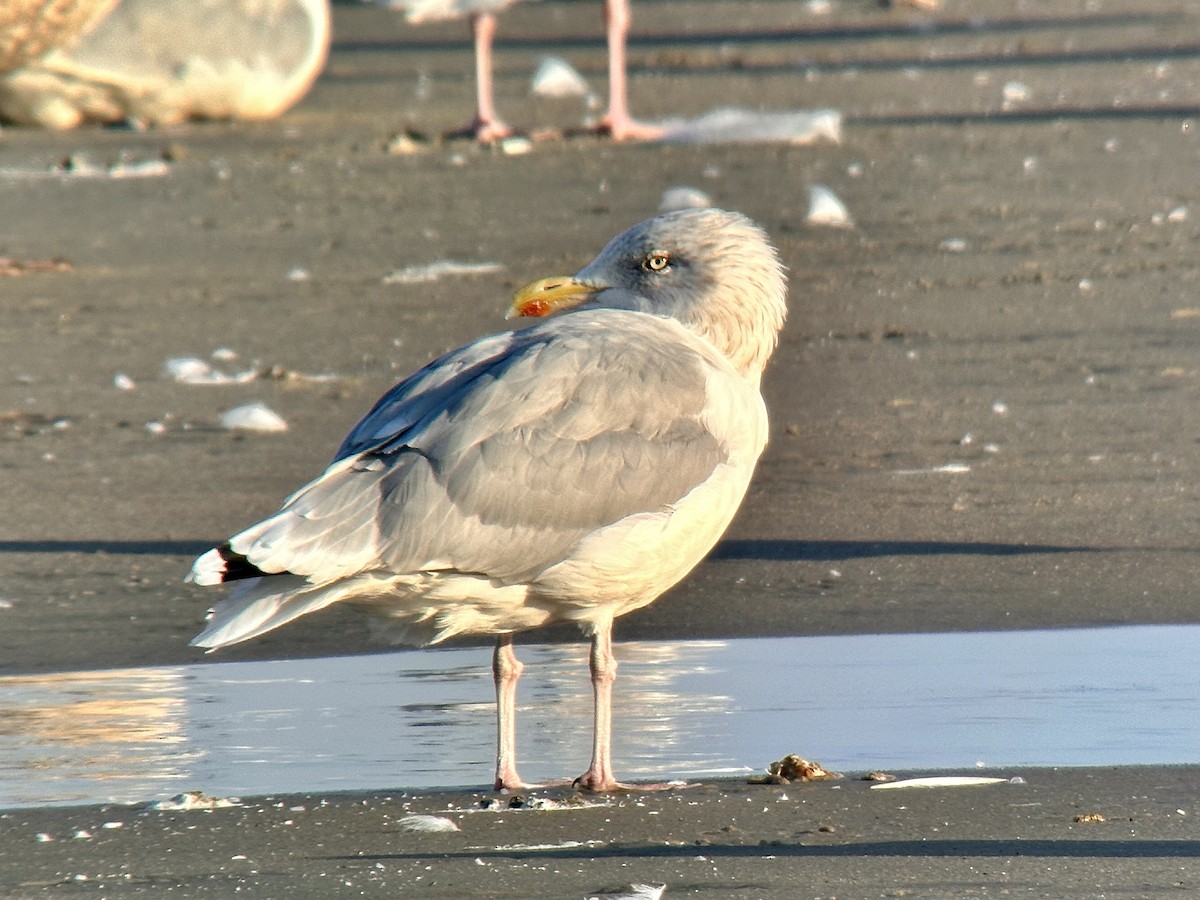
714	271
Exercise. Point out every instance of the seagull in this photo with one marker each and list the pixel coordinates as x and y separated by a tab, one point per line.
568	471
487	126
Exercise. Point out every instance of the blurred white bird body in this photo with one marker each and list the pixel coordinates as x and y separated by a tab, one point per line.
419	11
569	471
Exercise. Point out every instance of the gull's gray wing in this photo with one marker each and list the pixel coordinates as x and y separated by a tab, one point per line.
498	459
422	392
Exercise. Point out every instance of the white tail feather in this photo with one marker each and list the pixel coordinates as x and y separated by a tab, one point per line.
208	569
259	605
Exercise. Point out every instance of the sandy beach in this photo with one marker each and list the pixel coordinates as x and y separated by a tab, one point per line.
982	411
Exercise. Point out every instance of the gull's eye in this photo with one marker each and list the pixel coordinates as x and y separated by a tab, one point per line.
656	262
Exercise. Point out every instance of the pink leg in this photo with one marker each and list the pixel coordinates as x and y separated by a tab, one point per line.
506	670
603	665
618	123
487	126
599	776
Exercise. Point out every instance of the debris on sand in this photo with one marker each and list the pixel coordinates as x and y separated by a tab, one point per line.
637	891
406	143
27	423
10	268
743	126
427	823
442	268
880	777
190	370
191	800
79	166
794	768
520	801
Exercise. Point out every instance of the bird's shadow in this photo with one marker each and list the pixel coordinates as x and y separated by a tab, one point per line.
114	548
831	551
943	849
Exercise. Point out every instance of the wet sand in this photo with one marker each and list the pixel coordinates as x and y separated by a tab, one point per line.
982	403
720	840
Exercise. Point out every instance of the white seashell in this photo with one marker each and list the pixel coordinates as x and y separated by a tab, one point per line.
252	417
824	208
934	781
517	145
123	382
1014	92
149	168
556	78
683	197
427	823
186	368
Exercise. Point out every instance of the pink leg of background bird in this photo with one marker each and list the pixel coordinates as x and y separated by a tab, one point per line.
618	122
506	670
487	126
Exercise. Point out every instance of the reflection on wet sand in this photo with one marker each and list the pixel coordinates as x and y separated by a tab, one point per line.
69	734
406	718
421	719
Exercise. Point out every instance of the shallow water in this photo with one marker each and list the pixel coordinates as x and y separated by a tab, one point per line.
424	718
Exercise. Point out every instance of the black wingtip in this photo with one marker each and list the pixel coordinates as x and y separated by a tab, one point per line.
237	566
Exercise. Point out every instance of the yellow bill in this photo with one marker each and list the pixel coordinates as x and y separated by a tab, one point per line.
549	295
